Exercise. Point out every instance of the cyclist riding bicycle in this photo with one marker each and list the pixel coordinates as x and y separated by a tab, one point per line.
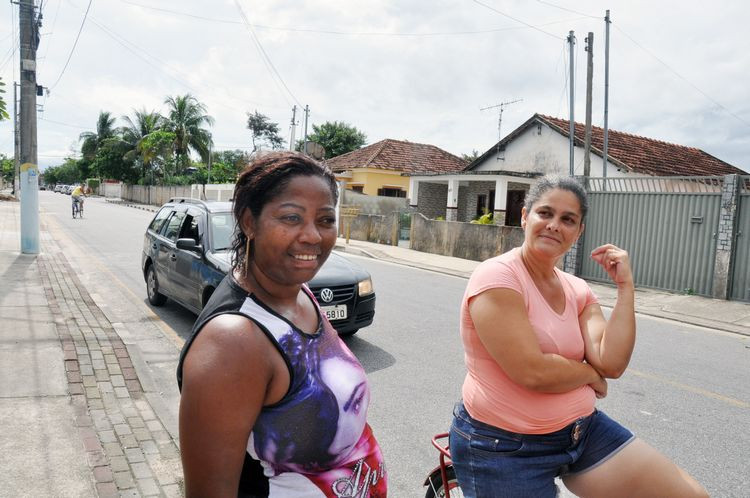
77	197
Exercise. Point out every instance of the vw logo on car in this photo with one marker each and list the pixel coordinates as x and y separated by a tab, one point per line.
326	295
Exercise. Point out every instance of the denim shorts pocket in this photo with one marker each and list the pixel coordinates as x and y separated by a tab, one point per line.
499	444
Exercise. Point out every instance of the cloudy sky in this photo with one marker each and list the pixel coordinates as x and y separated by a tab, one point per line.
417	70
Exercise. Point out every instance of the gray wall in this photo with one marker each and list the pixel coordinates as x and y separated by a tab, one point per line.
373	204
432	197
382	229
462	240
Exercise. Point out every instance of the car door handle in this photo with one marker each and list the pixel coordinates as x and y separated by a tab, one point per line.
173	257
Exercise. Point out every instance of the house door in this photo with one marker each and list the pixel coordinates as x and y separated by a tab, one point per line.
513	205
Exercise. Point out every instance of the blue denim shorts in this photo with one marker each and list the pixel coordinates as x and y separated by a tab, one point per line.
494	463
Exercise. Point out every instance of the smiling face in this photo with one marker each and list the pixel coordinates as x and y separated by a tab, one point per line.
553	223
295	232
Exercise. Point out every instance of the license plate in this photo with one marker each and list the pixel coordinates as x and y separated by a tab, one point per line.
337	312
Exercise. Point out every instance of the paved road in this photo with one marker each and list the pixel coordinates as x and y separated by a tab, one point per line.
687	391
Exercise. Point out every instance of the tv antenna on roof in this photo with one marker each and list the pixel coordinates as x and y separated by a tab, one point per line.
500	122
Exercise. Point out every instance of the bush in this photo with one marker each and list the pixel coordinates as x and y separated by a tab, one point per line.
93	183
485	219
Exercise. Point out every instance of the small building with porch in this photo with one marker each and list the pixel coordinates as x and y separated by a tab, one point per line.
497	180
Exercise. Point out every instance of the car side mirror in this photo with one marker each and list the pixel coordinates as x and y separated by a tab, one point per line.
189	245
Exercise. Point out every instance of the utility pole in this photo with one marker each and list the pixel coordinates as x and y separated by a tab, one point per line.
294	127
500	122
16	141
307	115
572	42
607	22
29	185
589	81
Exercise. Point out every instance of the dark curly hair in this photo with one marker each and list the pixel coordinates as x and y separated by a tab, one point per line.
262	181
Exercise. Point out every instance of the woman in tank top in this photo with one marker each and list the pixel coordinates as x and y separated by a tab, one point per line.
273	402
538	351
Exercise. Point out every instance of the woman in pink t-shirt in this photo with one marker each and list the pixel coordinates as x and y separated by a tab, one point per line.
538	350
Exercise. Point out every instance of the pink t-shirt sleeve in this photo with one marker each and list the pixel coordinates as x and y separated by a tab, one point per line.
493	274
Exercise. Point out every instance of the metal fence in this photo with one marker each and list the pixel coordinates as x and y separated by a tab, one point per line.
668	225
740	286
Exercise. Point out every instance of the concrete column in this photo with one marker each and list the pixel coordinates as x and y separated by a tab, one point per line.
725	233
451	208
501	197
413	192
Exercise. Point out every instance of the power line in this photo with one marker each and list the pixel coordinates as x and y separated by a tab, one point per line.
264	56
738	118
568	10
52	29
517	20
85	15
347	33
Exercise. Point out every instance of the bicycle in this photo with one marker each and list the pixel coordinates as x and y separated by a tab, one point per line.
442	482
78	208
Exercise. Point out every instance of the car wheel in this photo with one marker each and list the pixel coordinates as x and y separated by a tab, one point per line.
152	288
348	333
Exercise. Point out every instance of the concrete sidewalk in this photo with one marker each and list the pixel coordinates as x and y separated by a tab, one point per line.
74	420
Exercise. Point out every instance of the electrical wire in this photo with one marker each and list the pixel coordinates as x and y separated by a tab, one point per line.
52	29
347	33
711	99
569	10
516	19
160	65
85	15
65	124
264	56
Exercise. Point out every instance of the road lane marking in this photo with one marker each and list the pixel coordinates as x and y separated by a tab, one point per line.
692	389
168	331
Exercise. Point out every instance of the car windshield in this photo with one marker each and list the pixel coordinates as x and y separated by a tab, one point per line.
222	229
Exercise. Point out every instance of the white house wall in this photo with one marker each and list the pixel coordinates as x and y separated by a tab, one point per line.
543	150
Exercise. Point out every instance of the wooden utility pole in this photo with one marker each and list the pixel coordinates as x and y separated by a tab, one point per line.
589	80
607	21
572	42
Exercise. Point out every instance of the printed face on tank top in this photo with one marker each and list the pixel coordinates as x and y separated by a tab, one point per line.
319	428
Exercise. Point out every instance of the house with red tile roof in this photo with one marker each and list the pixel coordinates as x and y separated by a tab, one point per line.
378	169
498	179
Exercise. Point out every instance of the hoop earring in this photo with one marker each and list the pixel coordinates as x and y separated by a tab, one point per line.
247	255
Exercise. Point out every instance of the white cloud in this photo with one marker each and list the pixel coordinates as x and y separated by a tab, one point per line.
426	88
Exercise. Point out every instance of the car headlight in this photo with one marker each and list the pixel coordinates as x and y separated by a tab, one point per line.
365	287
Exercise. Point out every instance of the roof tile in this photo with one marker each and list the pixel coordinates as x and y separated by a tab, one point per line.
648	156
397	155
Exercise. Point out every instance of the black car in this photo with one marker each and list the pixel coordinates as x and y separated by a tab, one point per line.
186	253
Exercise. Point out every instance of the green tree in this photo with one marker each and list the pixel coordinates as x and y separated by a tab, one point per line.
67	173
3	106
186	119
469	158
135	131
263	131
110	161
157	151
105	128
7	168
336	138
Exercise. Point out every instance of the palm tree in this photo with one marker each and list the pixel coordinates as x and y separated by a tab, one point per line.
105	128
136	130
186	119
